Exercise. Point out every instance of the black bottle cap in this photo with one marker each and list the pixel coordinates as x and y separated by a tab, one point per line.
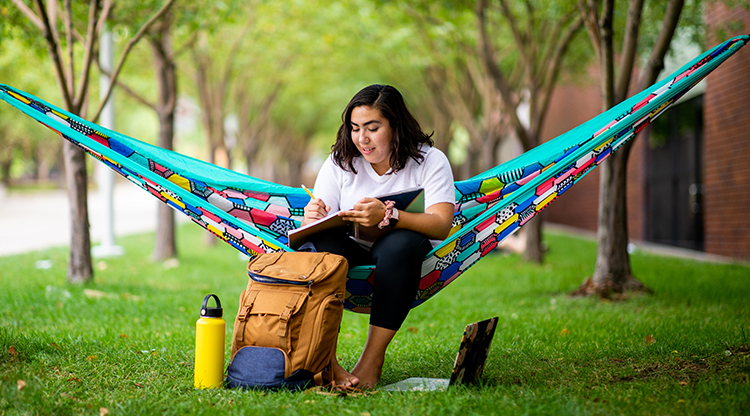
211	312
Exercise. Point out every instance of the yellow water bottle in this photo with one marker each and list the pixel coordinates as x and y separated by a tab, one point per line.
209	346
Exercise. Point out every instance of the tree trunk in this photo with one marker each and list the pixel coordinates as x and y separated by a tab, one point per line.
488	153
79	260
295	172
612	272
249	160
250	147
34	159
5	171
534	251
43	168
165	245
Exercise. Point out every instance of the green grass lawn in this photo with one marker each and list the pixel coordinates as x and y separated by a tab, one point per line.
125	344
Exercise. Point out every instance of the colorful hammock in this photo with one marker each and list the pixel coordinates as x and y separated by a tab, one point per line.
254	215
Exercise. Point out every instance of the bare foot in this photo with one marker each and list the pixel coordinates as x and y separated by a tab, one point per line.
368	374
370	366
341	377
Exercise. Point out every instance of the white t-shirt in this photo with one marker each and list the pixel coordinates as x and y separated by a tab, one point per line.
341	189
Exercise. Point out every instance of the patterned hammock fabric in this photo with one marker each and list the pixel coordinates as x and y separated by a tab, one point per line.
254	215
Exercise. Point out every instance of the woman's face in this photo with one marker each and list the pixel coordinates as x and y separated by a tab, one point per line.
371	133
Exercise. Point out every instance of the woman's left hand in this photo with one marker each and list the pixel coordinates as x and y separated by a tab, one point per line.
368	212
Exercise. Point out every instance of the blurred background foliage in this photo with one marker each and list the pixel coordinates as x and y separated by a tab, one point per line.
282	72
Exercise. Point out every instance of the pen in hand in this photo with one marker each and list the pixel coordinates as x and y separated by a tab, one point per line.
356	226
308	191
323	214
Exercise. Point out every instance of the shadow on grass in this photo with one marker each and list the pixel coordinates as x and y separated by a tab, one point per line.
16	347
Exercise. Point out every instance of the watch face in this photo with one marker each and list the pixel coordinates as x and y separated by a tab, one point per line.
395	214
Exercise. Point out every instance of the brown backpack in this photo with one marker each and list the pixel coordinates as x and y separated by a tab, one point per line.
288	320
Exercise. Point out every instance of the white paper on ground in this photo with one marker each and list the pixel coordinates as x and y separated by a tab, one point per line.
418	384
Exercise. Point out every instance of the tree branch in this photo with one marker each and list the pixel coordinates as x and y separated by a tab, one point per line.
460	106
478	77
629	47
56	7
53	47
656	59
129	91
185	46
201	80
556	29
419	18
264	111
125	53
501	84
52	10
68	22
668	27
231	57
126	89
106	9
556	63
590	12
33	17
91	40
607	58
518	34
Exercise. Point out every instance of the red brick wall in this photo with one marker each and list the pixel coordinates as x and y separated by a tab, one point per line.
727	140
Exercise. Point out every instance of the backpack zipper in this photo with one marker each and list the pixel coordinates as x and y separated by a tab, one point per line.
276	281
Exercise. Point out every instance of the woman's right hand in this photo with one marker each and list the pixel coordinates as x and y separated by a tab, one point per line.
315	210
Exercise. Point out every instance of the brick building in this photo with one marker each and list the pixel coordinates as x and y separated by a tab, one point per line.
689	175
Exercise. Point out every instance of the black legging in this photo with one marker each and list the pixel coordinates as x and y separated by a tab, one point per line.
397	256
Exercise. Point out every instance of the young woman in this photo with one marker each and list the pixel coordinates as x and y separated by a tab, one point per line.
380	148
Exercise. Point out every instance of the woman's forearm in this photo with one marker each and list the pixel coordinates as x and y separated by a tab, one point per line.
435	223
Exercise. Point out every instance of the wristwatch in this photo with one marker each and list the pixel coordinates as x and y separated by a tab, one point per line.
394	219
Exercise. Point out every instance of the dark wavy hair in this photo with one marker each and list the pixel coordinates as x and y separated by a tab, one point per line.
407	133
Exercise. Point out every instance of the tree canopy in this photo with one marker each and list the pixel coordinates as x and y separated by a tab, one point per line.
264	82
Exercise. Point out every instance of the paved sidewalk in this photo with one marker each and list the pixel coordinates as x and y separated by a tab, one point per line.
649	247
34	221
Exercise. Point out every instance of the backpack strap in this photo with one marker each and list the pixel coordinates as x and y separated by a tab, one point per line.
324	377
284	320
243	313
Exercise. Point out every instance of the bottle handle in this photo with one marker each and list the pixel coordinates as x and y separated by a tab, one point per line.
213	312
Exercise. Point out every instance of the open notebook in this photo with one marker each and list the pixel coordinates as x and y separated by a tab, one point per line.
472	355
409	200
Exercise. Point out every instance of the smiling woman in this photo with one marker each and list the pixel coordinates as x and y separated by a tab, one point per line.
373	139
380	149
